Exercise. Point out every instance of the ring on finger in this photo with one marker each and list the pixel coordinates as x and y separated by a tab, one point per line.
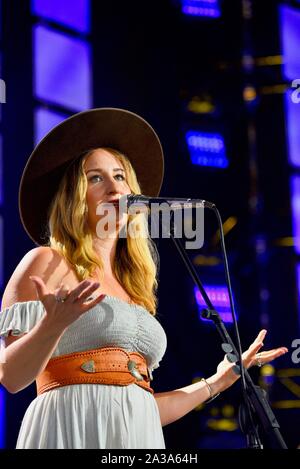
60	299
258	362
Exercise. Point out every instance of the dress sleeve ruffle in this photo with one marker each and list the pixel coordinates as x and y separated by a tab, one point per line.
20	318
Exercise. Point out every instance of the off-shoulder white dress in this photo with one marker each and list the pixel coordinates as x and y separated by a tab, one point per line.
94	415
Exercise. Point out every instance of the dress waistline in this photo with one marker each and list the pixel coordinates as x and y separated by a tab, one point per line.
107	365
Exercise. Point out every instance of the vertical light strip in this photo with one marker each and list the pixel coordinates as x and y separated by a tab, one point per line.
295	202
1	252
62	69
292	117
2	417
62	61
2	390
1	175
298	284
289	20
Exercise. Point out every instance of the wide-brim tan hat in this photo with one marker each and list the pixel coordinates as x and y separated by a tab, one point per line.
120	129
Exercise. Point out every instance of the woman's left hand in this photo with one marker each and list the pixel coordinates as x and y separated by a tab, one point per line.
225	375
252	357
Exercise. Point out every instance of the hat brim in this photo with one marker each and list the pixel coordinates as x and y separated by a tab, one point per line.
104	127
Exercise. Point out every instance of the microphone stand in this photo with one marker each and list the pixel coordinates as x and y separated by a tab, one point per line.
255	402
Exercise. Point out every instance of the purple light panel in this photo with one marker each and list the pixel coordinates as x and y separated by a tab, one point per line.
44	121
206	149
298	285
1	173
207	8
292	112
72	13
295	202
3	84
2	416
2	391
219	297
62	69
1	253
290	39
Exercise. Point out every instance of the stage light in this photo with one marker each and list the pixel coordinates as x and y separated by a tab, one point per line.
295	203
1	173
290	39
207	8
2	417
44	121
201	105
249	93
206	149
62	69
1	252
298	287
72	13
292	112
218	295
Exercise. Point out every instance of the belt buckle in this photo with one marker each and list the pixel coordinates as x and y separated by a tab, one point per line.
89	366
134	371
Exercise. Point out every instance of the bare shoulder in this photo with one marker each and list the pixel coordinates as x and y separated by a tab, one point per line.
42	261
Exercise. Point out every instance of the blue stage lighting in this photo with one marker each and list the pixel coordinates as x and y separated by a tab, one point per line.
1	252
62	69
295	196
206	149
72	13
207	8
1	173
292	112
44	121
290	39
218	295
2	416
298	285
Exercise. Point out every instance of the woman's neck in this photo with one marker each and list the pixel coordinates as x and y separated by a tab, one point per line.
106	250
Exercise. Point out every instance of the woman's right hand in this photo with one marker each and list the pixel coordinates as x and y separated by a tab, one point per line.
60	314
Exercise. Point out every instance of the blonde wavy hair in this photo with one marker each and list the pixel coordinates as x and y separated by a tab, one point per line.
136	261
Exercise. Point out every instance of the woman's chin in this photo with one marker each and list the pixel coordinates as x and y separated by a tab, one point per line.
111	229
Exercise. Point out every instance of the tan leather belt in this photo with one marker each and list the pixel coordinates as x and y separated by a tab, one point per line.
109	365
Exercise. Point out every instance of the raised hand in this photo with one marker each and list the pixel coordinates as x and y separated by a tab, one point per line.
225	375
251	357
63	306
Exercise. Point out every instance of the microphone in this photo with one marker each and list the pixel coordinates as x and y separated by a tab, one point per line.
141	201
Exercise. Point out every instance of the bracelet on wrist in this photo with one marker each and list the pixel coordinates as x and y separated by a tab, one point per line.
212	396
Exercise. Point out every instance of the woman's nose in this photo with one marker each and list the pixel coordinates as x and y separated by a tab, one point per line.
113	185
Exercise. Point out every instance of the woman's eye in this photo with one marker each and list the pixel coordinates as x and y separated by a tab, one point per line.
120	176
97	178
93	178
